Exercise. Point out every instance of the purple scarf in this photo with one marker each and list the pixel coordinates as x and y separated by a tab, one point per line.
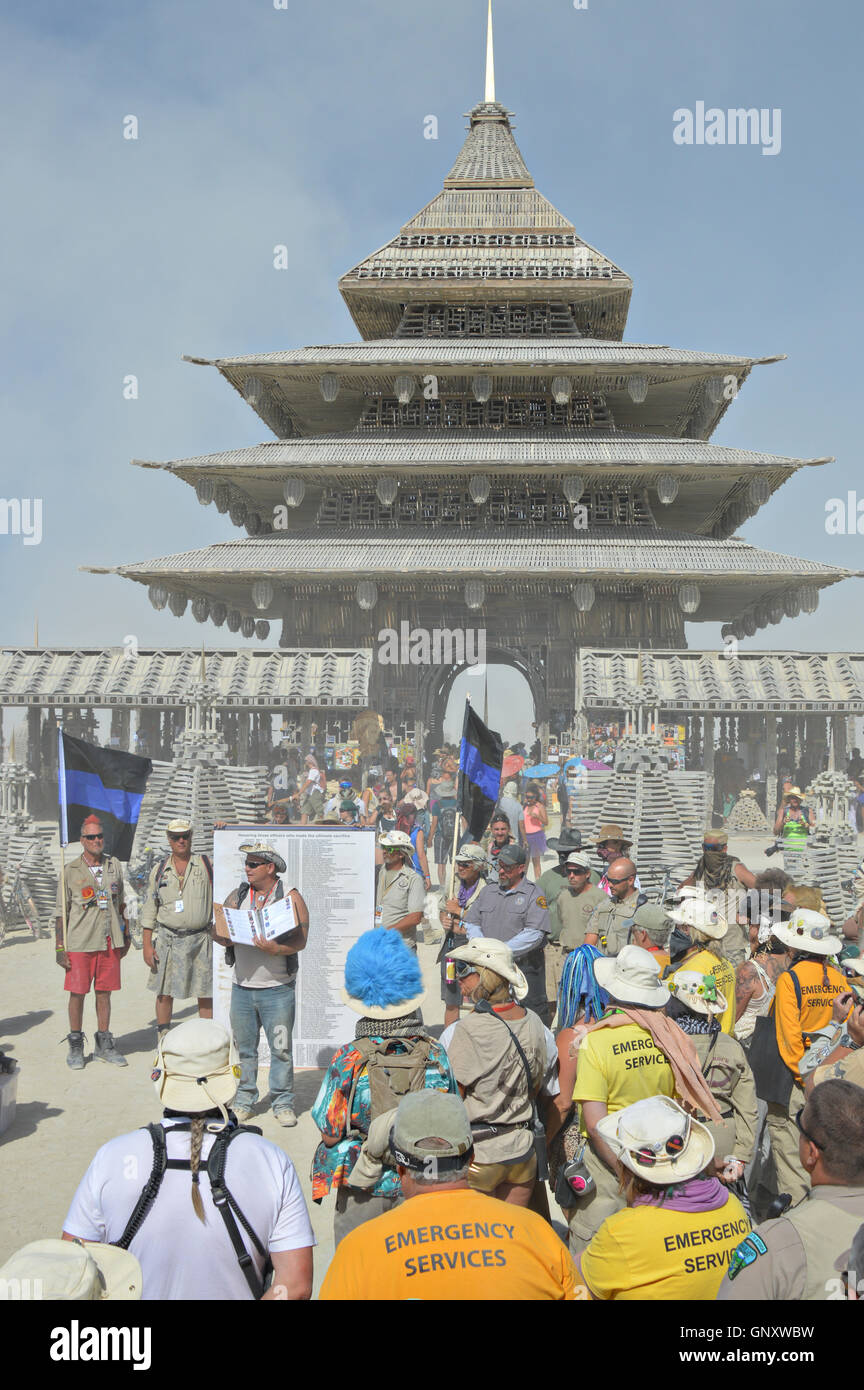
465	891
698	1194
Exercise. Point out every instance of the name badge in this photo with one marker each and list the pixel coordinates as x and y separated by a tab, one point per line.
102	898
379	916
178	906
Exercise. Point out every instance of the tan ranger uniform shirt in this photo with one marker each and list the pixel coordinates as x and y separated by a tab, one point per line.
400	893
848	1068
795	1258
608	920
94	910
730	1080
167	905
574	910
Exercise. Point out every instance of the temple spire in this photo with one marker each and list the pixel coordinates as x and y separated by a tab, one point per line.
490	59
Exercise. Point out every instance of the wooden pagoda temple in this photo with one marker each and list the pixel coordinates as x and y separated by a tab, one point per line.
490	454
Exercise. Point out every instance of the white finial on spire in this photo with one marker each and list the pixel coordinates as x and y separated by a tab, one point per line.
490	59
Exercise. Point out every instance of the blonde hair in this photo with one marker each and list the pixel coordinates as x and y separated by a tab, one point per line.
492	987
196	1139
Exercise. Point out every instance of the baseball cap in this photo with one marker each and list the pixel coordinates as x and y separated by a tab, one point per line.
180	826
69	1272
431	1125
579	860
513	854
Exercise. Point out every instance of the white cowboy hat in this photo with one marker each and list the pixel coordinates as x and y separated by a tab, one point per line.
658	1141
698	992
702	916
486	953
631	977
266	853
810	932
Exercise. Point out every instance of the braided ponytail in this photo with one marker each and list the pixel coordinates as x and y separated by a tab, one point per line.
196	1139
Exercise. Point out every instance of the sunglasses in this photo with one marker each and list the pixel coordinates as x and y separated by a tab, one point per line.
184	835
92	837
802	1130
619	880
255	863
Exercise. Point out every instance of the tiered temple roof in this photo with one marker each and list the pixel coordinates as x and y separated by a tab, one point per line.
489	443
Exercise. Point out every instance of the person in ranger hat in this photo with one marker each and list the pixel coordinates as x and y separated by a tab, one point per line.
97	939
802	1009
184	1242
400	896
178	911
265	978
794	1258
446	1242
499	1084
384	985
67	1271
470	866
675	1238
632	1052
696	1006
515	911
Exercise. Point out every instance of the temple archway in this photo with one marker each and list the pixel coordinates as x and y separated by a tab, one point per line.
438	686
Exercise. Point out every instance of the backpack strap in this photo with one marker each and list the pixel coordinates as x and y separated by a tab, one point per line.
150	1190
208	865
228	1209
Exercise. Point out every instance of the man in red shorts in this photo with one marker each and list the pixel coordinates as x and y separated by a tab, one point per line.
97	939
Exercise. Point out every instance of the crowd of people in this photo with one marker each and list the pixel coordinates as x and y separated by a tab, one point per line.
630	1099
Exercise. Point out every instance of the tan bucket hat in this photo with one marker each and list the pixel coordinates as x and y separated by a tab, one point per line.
631	978
486	953
808	931
67	1271
611	832
196	1067
658	1141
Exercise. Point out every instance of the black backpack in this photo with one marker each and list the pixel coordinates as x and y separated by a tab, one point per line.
223	1200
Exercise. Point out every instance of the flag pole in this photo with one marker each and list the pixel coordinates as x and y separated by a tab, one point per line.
456	823
64	825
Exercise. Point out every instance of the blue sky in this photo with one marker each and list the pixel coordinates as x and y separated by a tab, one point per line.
305	127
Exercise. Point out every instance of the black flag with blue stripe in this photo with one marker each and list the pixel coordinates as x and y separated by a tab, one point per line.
481	756
104	782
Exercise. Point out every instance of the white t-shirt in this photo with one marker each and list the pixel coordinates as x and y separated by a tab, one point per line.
180	1257
551	1086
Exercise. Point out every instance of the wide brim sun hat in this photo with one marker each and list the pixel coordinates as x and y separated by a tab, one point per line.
196	1067
382	976
810	932
631	978
701	915
698	992
648	1125
487	953
266	853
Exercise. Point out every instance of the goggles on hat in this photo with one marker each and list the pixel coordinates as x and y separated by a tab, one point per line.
649	1154
463	968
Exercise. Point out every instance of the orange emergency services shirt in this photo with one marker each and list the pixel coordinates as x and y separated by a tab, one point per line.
817	999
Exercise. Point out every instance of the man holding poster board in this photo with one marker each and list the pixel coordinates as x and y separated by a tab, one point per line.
265	927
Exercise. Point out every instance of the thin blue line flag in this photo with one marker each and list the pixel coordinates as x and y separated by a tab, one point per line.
481	756
103	782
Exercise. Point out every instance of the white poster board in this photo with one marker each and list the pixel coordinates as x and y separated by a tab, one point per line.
333	869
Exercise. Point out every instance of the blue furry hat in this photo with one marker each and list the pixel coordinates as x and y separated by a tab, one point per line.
382	976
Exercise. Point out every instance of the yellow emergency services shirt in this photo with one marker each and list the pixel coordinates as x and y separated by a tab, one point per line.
94	905
706	963
451	1245
817	1000
649	1252
619	1066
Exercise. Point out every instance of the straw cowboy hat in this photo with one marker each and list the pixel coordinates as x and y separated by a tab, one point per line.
266	853
612	832
486	953
631	978
658	1141
809	932
702	916
793	791
698	992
